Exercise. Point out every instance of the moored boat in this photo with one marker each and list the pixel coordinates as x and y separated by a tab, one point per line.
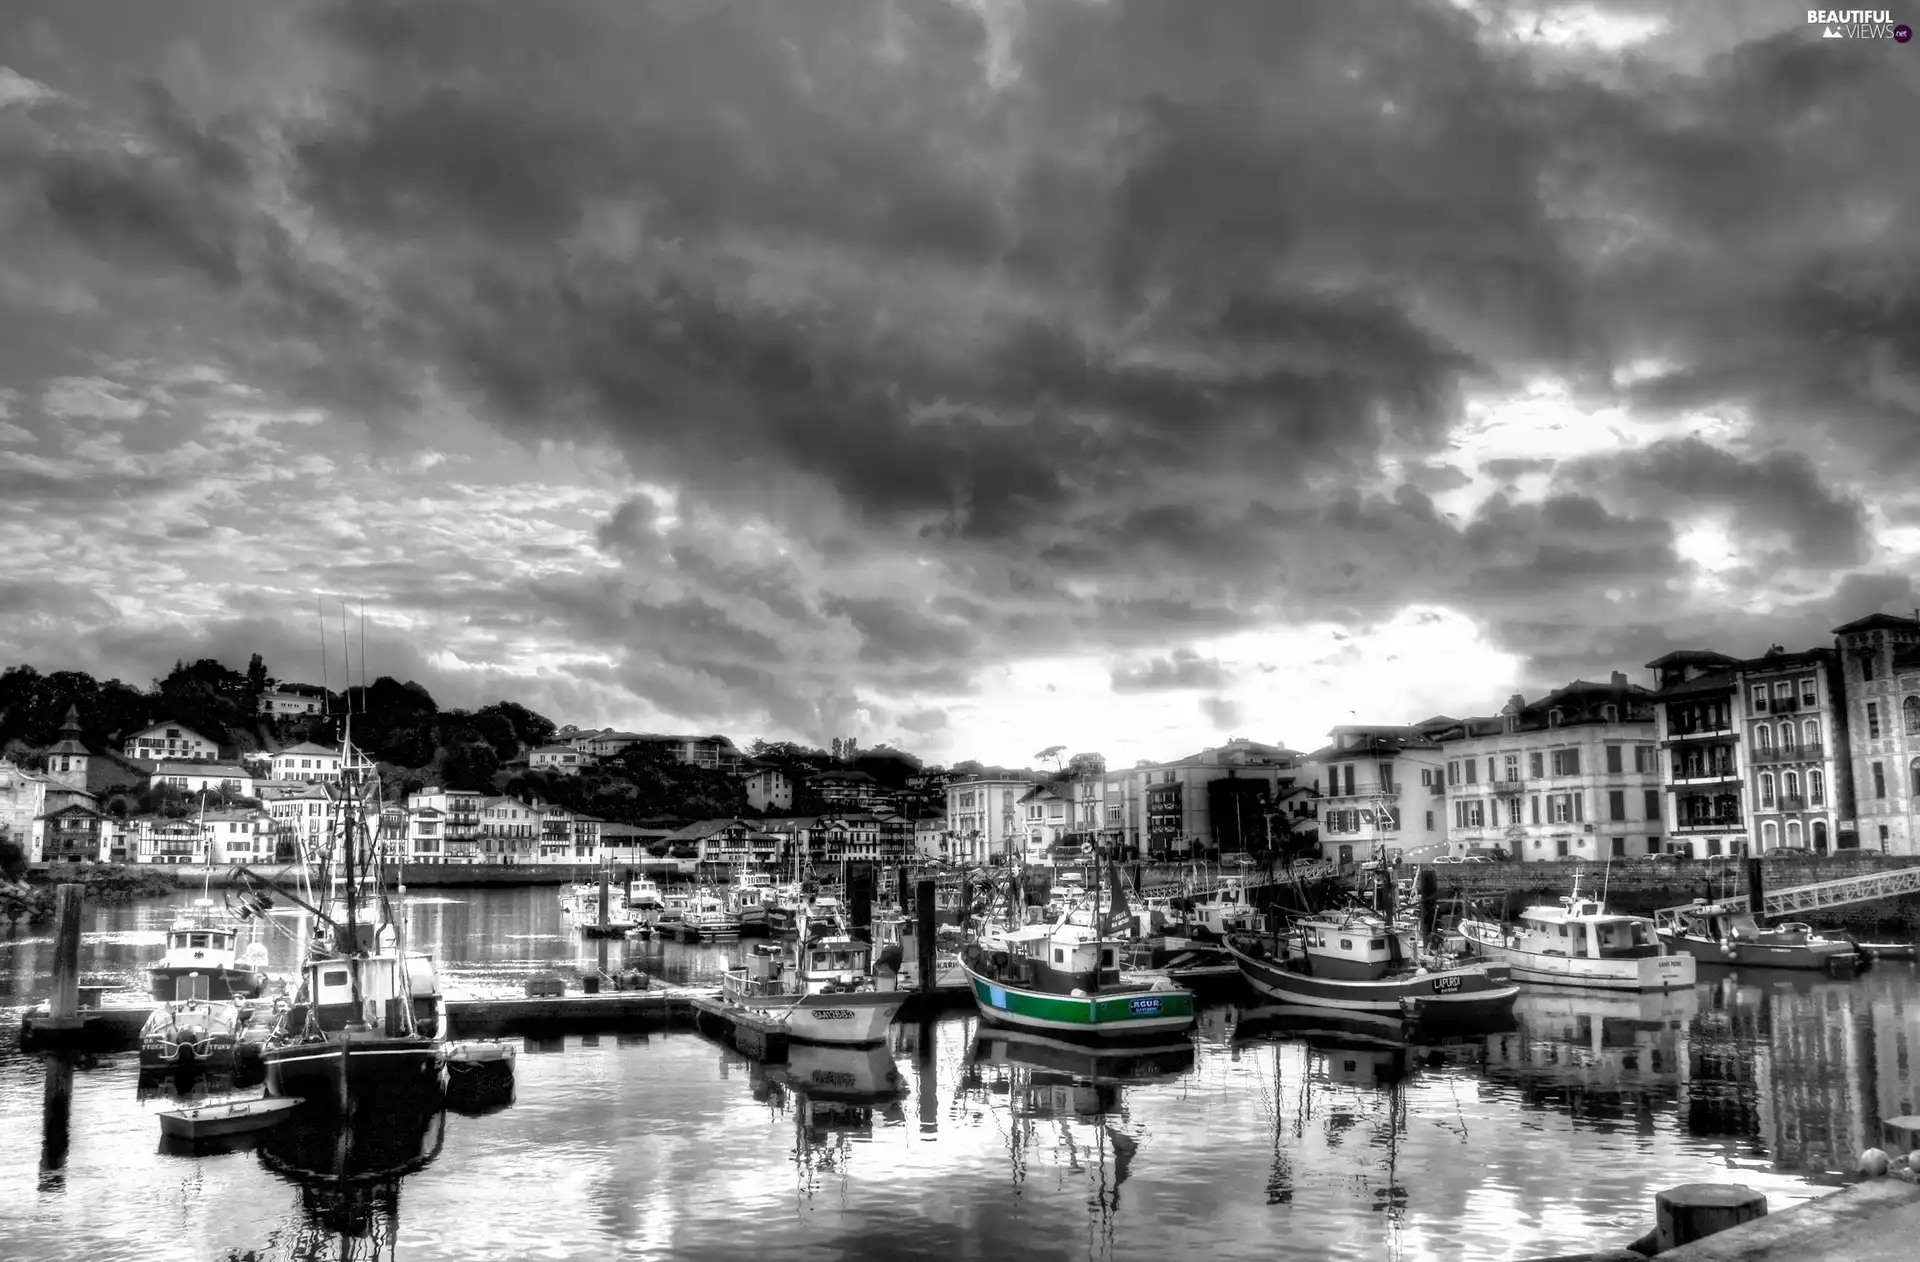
205	1121
367	1020
824	990
706	919
201	944
198	1033
1580	943
1719	934
1356	961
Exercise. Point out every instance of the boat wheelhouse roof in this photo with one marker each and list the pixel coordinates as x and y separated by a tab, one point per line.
1577	913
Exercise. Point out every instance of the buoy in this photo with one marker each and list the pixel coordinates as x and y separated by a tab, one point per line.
1873	1163
1913	1161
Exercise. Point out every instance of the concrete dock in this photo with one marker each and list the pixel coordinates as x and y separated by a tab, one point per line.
115	1026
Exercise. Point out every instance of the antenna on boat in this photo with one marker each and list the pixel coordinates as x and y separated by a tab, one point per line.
363	655
320	617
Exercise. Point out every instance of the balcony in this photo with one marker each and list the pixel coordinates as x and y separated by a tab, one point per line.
1701	777
1710	823
1675	737
1790	804
1777	705
1509	788
1366	793
1694	730
1814	752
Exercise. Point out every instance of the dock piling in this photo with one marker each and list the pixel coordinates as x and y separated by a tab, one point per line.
924	932
56	1115
603	903
1756	886
1694	1211
860	902
64	1004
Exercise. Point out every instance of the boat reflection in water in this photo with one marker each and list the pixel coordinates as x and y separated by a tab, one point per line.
833	1094
1063	1100
1597	1056
348	1169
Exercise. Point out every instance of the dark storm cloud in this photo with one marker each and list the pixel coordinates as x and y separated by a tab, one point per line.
1092	332
1780	494
1183	669
1223	714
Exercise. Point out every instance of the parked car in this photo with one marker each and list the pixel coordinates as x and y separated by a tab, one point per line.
1788	852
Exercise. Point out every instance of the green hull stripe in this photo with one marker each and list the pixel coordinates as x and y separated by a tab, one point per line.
1105	1011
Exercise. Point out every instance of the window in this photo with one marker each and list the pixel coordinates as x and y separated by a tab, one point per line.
1910	714
1766	788
1763	737
1811	731
1808	694
1783	690
1786	738
1616	802
1472	769
1609	714
1816	788
1873	720
1536	811
1866	676
1613	759
1883	837
1349	779
1879	780
1790	784
1759	698
1642	758
1653	804
1429	821
1769	834
1536	765
1566	762
1793	832
1562	812
1513	767
1453	772
1713	847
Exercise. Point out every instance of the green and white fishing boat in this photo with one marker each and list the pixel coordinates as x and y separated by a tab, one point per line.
1064	978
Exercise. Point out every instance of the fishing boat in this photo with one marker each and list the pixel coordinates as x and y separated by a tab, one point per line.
823	990
202	943
198	1033
1719	934
205	1121
1355	960
580	904
367	1018
706	919
753	899
1579	943
1065	978
643	895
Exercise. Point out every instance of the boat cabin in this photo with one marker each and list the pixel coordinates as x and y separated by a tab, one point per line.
1579	927
821	966
1061	960
198	945
388	994
1347	948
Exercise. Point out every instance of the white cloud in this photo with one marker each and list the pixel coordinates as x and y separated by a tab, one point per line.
17	89
90	398
10	433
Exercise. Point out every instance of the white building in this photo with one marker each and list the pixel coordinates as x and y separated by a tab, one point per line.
1216	799
23	799
930	837
293	700
985	820
157	839
769	789
303	811
509	830
1574	775
459	809
1047	812
306	761
1794	720
211	776
562	760
1368	780
232	837
169	742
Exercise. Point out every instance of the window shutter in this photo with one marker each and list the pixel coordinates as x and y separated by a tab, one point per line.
1577	806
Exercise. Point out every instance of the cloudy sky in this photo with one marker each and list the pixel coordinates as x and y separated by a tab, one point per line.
967	374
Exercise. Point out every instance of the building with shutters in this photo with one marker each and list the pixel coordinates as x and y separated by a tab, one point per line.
1573	775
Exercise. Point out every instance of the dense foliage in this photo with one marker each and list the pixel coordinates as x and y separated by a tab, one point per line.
414	743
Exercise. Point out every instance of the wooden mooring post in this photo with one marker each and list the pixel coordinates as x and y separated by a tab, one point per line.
924	933
63	1005
1694	1211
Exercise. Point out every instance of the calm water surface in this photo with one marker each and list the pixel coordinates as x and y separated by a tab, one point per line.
1266	1139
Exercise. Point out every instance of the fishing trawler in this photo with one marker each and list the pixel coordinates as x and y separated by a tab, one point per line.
1580	943
367	1019
706	919
823	990
1065	977
200	1034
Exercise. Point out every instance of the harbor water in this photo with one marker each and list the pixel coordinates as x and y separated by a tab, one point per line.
1272	1137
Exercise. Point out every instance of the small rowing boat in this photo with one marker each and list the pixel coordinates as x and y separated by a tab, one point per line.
208	1120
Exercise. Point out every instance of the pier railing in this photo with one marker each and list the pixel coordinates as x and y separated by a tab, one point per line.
1823	894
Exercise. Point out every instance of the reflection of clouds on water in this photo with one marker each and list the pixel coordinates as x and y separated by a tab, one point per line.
125	937
10	943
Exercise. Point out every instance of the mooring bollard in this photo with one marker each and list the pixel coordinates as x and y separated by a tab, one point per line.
1694	1211
924	934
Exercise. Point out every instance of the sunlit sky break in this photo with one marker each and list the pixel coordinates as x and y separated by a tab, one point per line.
973	377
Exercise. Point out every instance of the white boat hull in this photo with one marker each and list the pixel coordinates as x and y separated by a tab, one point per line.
1650	972
843	1020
